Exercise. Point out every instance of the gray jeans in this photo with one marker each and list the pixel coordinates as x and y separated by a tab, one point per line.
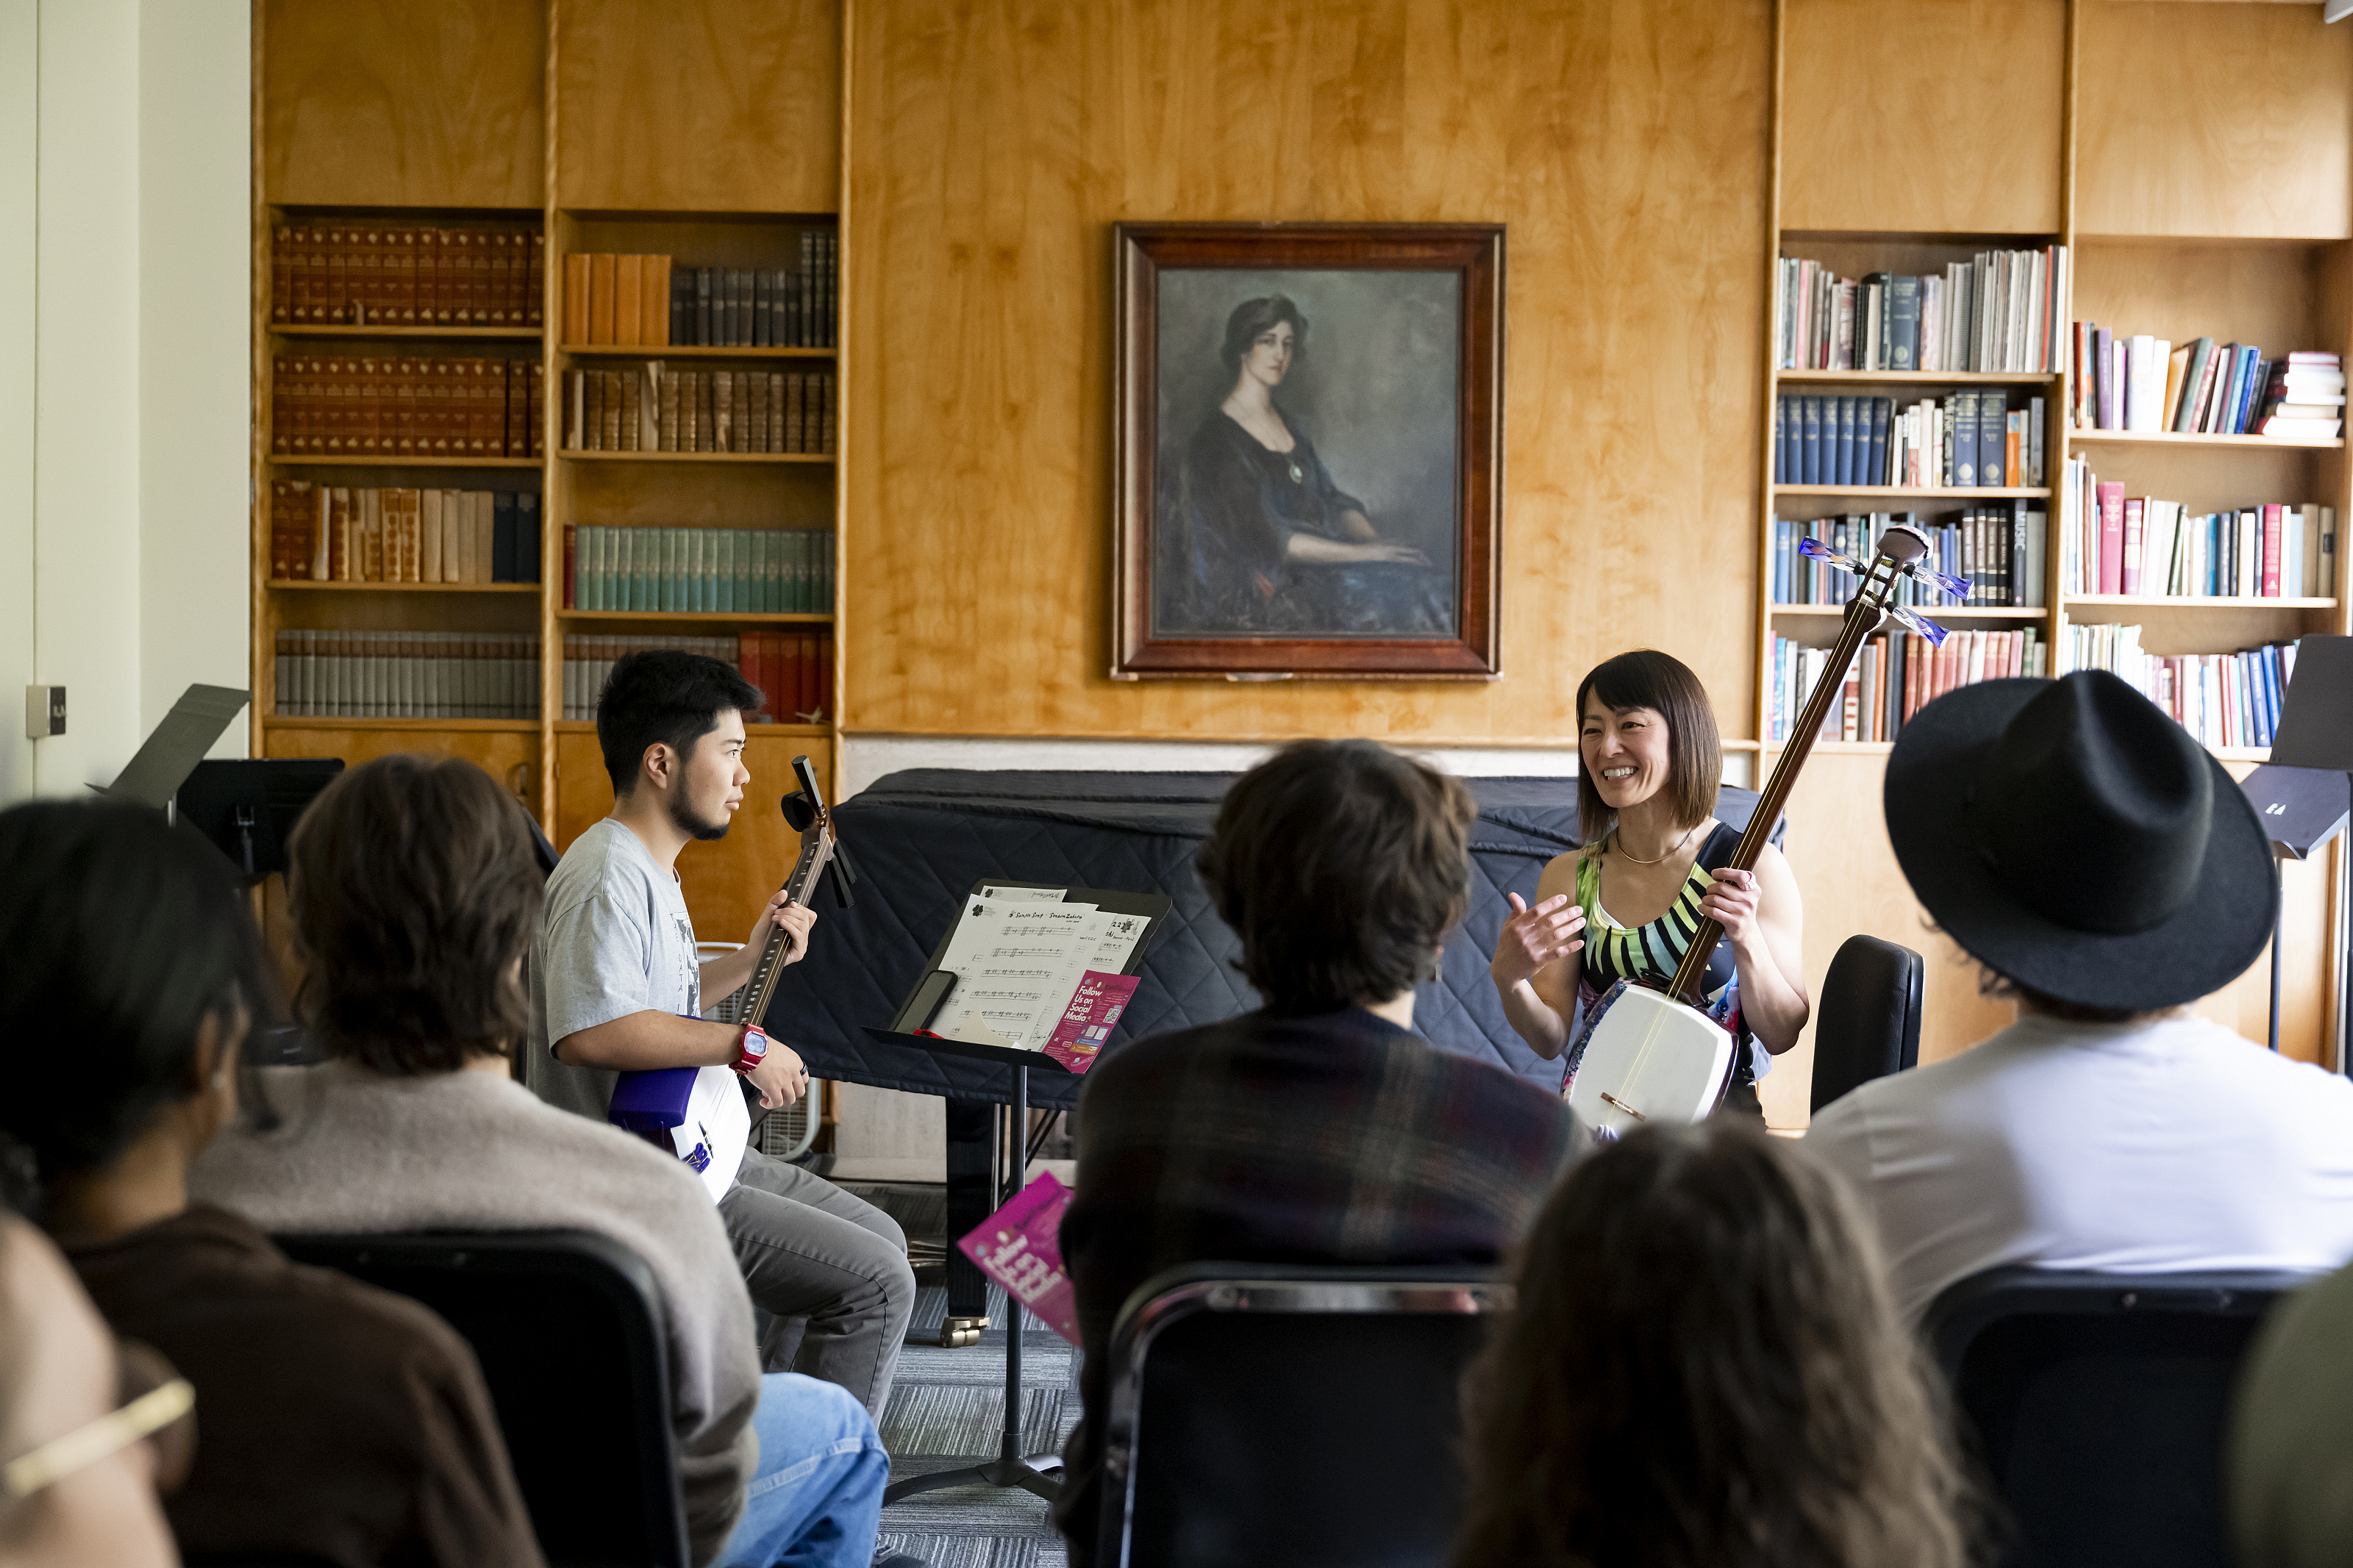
813	1254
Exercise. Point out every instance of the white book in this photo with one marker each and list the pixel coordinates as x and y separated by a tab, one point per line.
453	554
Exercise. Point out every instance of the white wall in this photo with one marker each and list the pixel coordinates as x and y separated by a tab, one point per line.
122	507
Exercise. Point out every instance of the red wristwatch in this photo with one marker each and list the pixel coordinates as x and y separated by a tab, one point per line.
753	1050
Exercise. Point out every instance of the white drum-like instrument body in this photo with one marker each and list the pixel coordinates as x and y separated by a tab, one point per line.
1648	1058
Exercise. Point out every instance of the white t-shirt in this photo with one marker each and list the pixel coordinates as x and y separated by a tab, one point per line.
2132	1147
613	939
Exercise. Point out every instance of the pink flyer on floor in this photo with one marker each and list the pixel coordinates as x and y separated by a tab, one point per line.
1020	1247
1086	1022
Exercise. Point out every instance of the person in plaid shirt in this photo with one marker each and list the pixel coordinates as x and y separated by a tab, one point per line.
1320	1129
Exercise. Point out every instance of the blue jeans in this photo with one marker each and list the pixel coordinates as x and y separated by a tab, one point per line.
816	1494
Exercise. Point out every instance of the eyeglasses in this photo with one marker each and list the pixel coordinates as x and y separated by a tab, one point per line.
85	1445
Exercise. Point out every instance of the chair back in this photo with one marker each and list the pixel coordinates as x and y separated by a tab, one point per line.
568	1326
2096	1405
1869	1022
1266	1413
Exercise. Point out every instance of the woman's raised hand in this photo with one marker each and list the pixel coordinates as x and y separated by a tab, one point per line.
1535	936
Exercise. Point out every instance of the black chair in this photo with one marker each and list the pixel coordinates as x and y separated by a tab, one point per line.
1266	1413
1868	1024
2097	1403
568	1327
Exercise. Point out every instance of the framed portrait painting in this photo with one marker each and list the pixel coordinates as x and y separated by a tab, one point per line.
1308	451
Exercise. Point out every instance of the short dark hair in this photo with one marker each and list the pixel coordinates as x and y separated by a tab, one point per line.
122	933
1664	684
413	890
1340	865
1704	1366
1252	317
667	696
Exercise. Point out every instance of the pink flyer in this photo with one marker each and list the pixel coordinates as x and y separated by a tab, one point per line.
1086	1022
1020	1247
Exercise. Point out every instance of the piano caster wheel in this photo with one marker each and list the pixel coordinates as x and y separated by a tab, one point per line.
955	1333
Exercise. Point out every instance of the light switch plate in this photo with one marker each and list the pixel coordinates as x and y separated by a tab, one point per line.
45	711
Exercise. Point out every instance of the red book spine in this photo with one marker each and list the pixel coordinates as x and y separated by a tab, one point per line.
2271	586
568	568
2112	538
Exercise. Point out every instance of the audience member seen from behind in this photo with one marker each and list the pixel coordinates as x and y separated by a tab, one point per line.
1659	860
1341	866
336	1422
2105	871
2288	1464
1704	1369
414	896
78	1474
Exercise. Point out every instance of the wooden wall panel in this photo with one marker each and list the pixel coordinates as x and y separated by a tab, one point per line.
709	105
2214	119
1935	114
405	103
510	756
993	145
726	883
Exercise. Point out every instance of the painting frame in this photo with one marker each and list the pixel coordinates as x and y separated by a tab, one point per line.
1472	252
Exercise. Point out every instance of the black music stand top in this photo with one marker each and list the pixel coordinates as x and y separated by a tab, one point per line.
2316	727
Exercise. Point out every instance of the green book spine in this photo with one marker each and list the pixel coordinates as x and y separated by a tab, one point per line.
624	563
739	562
680	578
722	580
772	600
642	564
600	571
825	599
764	554
703	543
584	546
797	584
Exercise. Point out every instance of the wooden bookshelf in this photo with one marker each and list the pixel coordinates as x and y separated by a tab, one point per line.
1917	378
1934	612
2185	438
1914	492
724	152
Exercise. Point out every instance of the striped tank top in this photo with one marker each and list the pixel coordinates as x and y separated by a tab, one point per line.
1651	950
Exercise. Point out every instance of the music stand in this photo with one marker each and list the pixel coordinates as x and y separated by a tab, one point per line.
2315	738
248	807
176	744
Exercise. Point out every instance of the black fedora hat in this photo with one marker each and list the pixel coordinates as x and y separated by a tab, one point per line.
2070	837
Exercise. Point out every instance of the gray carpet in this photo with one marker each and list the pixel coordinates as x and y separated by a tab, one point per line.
947	1410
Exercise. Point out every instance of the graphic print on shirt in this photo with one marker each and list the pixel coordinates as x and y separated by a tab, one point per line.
691	975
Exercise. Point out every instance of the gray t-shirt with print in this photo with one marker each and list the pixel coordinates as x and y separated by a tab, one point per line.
614	939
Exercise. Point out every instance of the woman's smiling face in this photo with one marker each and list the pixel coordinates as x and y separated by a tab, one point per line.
1625	753
1270	353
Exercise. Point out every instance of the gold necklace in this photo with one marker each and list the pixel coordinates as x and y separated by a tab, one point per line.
1671	849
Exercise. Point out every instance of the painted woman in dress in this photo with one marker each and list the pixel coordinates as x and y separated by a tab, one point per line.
1276	546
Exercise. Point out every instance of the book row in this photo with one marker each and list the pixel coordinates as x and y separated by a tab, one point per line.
1893	679
1998	549
408	675
655	409
328	533
371	275
753	571
1967	440
794	670
2111	543
363	406
650	302
2147	384
1999	313
2221	698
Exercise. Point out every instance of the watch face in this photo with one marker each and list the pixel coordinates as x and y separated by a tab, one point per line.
755	1044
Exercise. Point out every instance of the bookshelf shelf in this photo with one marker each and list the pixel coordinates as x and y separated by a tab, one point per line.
578	457
309	462
2195	601
1927	492
2181	438
716	618
304	584
411	335
1935	613
669	351
1919	377
1881	749
454	726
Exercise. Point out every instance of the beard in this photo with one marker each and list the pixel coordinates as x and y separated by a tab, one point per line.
683	818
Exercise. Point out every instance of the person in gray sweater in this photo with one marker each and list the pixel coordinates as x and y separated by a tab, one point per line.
414	896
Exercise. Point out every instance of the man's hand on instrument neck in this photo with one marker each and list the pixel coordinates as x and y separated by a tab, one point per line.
729	972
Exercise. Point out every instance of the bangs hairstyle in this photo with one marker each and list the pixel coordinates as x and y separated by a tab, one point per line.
122	933
1704	1366
414	891
663	695
1340	865
1664	683
1252	317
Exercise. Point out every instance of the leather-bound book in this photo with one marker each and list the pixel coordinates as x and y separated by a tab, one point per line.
515	404
361	440
429	537
535	415
486	431
631	411
600	298
457	261
654	303
611	437
425	255
480	511
338	280
401	310
722	411
496	276
534	298
758	429
454	558
281	274
666	420
628	298
795	408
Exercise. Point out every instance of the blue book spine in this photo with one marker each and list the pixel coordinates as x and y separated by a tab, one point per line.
1811	471
1882	410
527	542
1961	419
1845	441
1901	329
503	537
1781	439
2258	373
1993	438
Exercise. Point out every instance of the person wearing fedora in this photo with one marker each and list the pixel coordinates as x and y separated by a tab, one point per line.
2105	871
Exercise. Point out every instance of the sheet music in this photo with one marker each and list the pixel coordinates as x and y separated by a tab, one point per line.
1009	959
1024	895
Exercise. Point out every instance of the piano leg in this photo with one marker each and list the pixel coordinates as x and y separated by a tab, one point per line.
971	1135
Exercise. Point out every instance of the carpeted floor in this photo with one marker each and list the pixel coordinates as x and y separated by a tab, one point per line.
947	1410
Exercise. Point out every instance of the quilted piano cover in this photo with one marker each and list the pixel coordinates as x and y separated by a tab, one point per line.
922	838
